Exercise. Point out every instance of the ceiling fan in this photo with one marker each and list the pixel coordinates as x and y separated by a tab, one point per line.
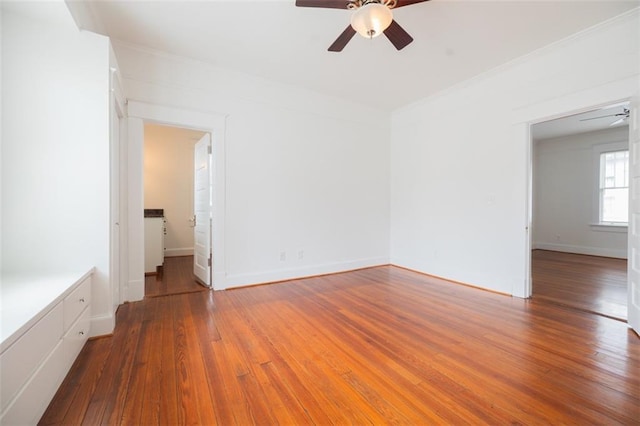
370	18
624	115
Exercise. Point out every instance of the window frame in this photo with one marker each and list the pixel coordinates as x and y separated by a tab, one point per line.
597	224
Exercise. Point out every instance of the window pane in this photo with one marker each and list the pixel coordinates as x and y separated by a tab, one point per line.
614	169
615	205
620	169
614	186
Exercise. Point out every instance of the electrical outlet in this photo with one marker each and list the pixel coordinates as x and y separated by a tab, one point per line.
283	256
300	254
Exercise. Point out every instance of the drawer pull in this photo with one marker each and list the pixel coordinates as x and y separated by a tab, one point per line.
81	333
82	300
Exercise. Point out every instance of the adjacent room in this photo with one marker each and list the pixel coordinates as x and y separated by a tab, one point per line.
319	212
580	210
170	221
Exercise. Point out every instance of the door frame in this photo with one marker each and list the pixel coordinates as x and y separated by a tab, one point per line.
531	185
527	115
526	290
117	174
214	124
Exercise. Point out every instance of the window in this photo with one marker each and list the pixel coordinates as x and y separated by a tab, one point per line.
614	187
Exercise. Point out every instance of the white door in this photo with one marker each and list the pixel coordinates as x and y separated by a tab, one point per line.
633	304
202	211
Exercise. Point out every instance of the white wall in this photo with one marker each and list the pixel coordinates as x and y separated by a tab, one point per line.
55	151
459	159
306	175
1	91
565	179
168	182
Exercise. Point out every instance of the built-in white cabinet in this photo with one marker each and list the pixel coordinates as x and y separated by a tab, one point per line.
154	229
45	323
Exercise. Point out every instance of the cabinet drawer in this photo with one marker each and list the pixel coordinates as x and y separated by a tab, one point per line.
22	358
35	396
76	302
77	335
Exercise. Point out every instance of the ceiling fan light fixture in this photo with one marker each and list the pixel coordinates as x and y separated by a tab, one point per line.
371	19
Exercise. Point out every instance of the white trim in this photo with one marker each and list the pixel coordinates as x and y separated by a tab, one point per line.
240	280
609	227
117	191
213	123
497	70
597	151
525	289
85	16
134	287
585	100
134	290
103	325
591	251
161	114
175	252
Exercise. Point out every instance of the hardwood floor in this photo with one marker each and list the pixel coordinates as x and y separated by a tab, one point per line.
176	278
590	283
375	346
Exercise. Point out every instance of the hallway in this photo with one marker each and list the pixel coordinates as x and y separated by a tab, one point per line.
176	278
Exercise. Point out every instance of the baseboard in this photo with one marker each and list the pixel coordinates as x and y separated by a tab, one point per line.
134	291
175	252
102	325
591	251
512	291
466	284
243	280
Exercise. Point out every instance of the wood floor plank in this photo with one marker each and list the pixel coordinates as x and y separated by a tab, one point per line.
591	283
176	278
142	398
79	386
111	385
327	383
377	346
193	393
163	387
439	410
281	371
119	373
324	374
287	394
360	361
228	397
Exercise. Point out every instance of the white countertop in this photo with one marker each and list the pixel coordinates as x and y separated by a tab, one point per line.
27	297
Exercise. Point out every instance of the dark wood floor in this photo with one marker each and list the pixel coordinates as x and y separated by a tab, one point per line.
375	346
590	283
176	278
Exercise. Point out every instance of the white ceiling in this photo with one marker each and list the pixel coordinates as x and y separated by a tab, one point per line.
589	121
274	39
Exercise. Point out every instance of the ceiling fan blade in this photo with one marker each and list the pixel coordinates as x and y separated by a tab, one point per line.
329	4
397	35
402	3
342	39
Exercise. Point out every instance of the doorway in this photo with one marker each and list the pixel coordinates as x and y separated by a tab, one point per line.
168	175
579	210
140	113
